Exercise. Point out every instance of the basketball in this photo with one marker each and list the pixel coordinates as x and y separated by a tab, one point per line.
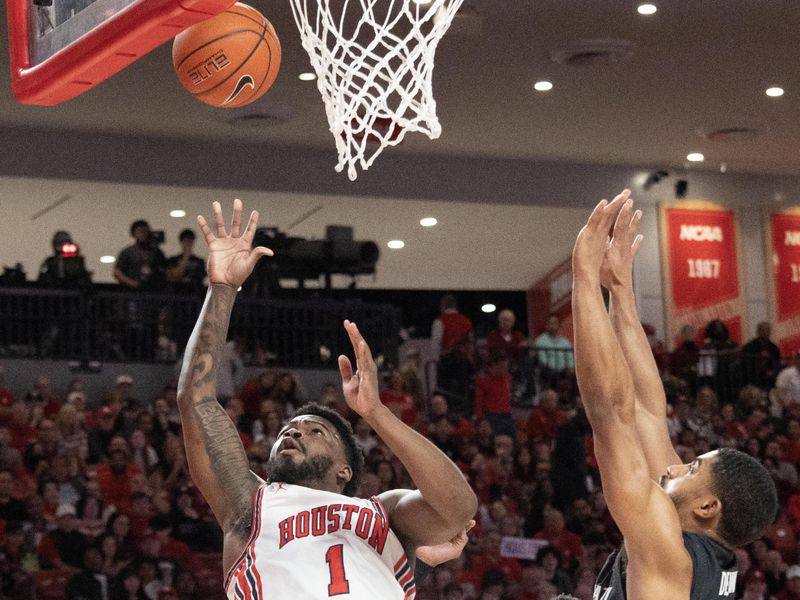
229	60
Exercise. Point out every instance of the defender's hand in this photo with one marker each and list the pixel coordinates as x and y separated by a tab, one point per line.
617	267
361	391
231	257
592	242
442	553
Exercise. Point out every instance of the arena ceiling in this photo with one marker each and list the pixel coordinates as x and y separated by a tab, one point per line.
694	68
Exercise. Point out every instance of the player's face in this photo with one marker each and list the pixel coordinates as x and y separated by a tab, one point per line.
307	436
685	482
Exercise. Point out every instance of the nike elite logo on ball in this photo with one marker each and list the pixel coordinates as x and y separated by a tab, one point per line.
244	81
209	67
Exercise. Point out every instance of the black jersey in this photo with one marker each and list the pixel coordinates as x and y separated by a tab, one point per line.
713	575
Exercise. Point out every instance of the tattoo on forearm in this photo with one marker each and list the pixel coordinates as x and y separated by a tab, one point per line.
213	427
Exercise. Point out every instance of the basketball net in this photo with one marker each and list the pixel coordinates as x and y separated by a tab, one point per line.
374	66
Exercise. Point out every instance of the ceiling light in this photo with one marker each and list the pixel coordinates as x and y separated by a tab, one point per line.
695	157
422	1
488	308
396	244
177	214
774	92
428	221
308	76
543	86
108	260
647	9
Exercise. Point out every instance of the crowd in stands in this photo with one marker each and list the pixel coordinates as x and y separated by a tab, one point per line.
96	500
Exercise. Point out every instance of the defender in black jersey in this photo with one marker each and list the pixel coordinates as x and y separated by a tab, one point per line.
680	522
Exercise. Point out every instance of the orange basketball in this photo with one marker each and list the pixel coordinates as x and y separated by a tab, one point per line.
229	60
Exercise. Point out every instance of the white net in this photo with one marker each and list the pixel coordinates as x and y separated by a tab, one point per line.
374	66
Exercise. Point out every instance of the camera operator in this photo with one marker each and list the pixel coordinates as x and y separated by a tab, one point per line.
141	265
66	268
186	273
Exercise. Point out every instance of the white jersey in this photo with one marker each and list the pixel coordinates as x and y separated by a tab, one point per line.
309	544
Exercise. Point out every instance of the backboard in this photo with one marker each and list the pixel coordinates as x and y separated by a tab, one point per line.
60	49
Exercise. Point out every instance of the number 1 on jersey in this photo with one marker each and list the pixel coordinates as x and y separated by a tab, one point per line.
339	584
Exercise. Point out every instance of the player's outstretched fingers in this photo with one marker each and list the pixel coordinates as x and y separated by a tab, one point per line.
207	233
345	368
623	222
236	219
637	242
219	219
252	224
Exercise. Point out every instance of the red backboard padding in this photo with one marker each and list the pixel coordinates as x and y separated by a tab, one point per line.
96	56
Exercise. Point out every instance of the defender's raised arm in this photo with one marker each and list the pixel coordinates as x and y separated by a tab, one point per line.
616	275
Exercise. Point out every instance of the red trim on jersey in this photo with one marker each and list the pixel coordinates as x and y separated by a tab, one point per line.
255	528
380	507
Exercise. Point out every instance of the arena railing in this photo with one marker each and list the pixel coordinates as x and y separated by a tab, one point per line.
116	326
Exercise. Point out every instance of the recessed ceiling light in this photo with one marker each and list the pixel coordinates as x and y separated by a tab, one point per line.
774	92
647	9
428	221
695	157
543	86
488	308
396	244
308	76
177	214
108	260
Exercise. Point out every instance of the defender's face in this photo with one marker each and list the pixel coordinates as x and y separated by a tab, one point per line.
307	436
689	480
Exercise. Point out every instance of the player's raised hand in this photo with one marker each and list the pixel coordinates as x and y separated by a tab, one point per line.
231	257
617	267
592	242
441	553
361	391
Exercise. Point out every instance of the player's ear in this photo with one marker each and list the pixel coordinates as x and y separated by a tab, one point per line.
708	508
344	474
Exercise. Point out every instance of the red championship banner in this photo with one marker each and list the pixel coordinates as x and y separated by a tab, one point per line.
783	253
700	267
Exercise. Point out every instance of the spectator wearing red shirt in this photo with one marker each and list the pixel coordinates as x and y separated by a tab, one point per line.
255	391
505	340
493	397
398	400
462	428
115	476
22	433
545	419
451	341
555	533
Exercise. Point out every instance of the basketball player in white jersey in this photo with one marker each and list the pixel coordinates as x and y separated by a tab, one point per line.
680	522
302	536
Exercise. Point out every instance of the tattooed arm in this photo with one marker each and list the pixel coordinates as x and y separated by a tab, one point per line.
217	460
